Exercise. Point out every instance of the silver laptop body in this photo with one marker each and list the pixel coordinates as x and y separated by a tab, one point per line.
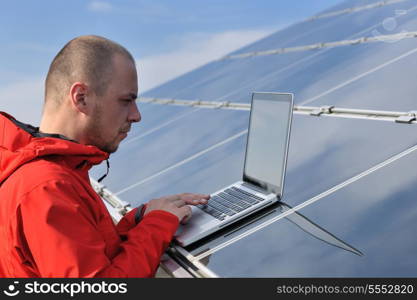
263	173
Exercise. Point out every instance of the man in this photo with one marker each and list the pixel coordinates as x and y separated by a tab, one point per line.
52	223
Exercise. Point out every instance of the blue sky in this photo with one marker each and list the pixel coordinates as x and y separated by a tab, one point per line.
167	38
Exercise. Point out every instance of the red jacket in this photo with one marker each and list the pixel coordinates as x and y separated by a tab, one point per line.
53	224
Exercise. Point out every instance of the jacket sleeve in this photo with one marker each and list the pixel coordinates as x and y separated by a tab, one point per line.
130	220
64	239
127	223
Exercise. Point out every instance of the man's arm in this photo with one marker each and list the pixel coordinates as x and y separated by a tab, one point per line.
65	240
132	218
128	222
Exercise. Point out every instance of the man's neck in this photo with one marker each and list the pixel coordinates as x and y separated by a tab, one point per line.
56	123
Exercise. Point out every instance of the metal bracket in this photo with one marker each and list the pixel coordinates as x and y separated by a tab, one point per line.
122	207
327	109
100	190
408	118
167	101
222	104
194	103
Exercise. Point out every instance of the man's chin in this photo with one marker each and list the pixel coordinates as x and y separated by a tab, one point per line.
109	148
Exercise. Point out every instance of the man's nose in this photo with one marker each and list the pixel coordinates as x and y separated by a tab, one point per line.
134	114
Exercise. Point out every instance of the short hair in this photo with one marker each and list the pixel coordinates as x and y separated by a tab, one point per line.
86	58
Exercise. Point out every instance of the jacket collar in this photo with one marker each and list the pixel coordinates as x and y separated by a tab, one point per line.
21	143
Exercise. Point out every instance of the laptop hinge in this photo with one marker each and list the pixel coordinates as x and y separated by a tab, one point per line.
256	188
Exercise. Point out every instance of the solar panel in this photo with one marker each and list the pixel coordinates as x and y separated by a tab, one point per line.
376	215
308	73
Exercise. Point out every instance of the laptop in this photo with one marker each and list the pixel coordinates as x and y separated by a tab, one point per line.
263	173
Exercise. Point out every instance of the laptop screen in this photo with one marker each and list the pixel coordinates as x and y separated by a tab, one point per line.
267	144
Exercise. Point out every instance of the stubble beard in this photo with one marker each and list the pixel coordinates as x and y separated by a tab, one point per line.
96	136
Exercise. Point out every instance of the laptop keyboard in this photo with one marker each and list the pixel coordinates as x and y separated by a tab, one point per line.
229	202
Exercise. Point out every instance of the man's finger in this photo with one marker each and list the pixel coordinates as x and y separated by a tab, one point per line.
188	213
197	201
194	199
179	202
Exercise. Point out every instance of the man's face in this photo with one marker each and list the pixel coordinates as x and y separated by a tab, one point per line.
116	110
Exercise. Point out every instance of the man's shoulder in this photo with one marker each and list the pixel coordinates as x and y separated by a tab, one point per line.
40	171
45	168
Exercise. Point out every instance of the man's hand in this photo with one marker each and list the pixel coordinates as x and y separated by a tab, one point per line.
177	204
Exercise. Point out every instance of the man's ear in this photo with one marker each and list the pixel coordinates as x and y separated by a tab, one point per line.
79	94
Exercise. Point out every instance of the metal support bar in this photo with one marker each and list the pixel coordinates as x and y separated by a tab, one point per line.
197	267
354	9
325	110
361	40
173	268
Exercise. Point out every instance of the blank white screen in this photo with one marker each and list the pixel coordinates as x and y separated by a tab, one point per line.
267	140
